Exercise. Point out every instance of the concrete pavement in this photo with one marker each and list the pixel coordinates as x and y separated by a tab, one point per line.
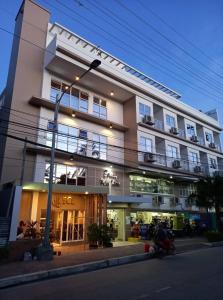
74	263
193	275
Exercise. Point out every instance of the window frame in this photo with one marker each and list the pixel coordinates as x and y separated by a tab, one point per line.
169	122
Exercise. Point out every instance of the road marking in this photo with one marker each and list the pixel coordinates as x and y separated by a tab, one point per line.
163	289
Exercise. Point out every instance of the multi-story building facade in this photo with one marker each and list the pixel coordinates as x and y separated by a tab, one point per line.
127	147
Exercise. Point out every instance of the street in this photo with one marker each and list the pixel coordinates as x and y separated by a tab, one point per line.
196	274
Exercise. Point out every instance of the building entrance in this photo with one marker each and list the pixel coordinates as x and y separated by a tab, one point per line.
72	226
115	220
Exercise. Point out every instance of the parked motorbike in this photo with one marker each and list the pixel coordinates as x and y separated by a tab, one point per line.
164	248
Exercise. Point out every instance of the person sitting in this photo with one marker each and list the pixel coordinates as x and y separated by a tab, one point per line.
21	230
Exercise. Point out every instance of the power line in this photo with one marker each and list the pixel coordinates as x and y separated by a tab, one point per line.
145	40
148	8
99	143
46	50
166	38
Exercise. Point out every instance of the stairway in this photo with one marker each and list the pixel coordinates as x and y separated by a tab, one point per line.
4	231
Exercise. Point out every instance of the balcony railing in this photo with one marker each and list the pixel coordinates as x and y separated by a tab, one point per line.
158	124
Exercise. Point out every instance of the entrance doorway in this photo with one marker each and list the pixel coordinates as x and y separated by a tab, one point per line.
115	220
72	226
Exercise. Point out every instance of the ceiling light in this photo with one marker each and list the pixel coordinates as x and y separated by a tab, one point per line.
110	126
71	158
109	201
171	176
110	166
73	115
66	87
86	193
77	78
111	93
144	172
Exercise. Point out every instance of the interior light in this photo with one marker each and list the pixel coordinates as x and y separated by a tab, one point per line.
110	126
86	193
110	166
77	78
73	115
71	158
109	201
144	172
66	87
171	176
111	93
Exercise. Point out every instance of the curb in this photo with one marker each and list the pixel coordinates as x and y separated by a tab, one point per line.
71	270
214	244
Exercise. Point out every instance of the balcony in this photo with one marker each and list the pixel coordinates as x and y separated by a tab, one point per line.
41	102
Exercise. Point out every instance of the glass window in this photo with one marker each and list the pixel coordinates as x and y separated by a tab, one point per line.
82	142
194	157
144	110
72	139
66	97
60	174
83	104
190	129
74	98
213	163
67	174
145	144
208	137
55	89
99	108
99	146
62	136
170	121
172	151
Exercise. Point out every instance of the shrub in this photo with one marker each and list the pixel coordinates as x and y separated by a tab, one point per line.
213	236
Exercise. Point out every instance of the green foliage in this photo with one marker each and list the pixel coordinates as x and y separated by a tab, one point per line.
99	235
213	236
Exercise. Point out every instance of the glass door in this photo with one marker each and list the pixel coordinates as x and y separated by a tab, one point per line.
72	228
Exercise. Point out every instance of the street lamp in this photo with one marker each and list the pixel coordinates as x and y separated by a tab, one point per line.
46	252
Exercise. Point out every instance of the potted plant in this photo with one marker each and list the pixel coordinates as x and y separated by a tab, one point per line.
93	236
105	236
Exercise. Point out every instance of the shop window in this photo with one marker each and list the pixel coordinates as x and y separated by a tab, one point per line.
99	108
140	184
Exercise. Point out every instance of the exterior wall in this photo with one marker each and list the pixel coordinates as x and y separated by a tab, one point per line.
27	81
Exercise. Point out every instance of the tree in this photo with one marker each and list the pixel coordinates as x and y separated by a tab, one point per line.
209	194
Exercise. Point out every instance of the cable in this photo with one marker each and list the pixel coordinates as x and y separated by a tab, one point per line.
46	50
141	39
155	64
148	8
108	145
166	38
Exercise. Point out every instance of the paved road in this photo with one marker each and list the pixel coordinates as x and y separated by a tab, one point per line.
191	275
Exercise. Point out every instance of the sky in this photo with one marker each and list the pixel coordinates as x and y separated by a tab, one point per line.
176	42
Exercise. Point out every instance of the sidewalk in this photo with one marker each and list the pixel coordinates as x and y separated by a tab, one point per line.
72	259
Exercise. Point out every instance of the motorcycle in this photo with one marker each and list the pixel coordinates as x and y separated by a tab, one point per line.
163	248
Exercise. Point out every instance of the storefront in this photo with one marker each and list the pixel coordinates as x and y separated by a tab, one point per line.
71	213
116	222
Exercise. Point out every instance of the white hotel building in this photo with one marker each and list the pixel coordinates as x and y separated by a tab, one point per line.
128	148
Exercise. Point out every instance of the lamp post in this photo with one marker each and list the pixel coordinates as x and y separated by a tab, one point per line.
46	252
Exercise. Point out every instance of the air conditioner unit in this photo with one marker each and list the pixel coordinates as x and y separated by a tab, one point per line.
176	164
218	173
197	169
194	139
149	157
212	145
148	120
173	130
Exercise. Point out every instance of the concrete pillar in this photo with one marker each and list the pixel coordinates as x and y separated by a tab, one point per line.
34	206
15	213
